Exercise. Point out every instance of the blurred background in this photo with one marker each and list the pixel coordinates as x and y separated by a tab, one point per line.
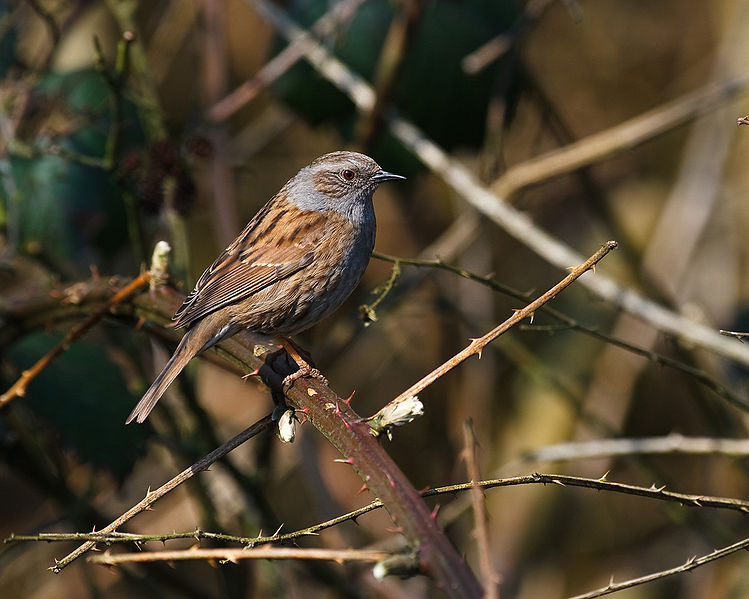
116	132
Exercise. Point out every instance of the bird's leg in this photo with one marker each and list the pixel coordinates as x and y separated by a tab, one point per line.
305	369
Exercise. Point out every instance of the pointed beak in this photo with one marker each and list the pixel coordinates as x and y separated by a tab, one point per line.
381	176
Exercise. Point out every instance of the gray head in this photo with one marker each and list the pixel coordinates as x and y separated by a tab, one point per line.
339	181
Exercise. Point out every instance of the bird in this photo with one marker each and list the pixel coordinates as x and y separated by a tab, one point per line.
295	263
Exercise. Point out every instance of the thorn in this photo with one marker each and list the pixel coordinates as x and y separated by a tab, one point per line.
363	488
425	489
435	511
349	461
532	316
249	374
350	397
603	479
275	534
337	408
304	411
390	480
140	323
593	269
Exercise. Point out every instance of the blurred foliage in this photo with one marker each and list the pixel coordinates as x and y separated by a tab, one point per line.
84	397
432	88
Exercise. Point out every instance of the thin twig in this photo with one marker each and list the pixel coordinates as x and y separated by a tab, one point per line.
283	61
601	484
491	579
477	345
670	444
617	139
248	542
700	375
689	565
18	389
234	555
153	496
738	335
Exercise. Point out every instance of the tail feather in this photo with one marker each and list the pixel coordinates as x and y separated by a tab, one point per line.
185	351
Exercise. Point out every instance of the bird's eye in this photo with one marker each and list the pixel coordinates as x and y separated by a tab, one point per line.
348	174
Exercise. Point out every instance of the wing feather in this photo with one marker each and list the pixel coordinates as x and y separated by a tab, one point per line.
254	261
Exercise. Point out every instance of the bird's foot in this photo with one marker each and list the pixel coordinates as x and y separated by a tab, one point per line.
305	370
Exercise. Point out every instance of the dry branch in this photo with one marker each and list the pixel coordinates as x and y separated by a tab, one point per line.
491	579
477	345
690	564
234	555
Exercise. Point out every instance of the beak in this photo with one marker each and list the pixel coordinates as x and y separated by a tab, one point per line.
381	176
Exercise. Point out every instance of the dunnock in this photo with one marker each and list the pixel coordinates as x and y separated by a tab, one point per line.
295	263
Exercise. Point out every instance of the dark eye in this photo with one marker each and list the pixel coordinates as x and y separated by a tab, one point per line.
348	174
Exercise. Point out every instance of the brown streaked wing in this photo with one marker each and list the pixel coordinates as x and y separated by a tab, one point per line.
241	271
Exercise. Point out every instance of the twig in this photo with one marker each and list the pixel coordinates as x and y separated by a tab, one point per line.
515	223
570	323
477	345
234	555
617	139
670	444
214	83
248	542
601	484
283	61
368	312
737	334
153	496
491	579
18	389
393	53
689	565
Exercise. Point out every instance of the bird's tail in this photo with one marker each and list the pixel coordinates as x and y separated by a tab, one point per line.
186	350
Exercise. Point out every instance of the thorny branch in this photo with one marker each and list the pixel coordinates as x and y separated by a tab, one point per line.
700	375
477	345
601	484
690	564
